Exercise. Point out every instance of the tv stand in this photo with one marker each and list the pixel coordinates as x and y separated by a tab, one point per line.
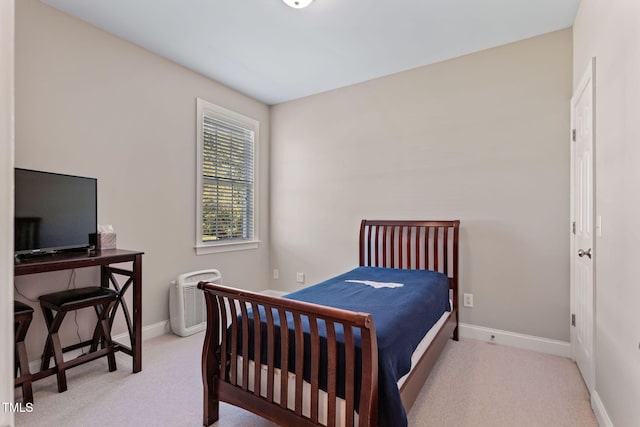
54	252
108	277
33	255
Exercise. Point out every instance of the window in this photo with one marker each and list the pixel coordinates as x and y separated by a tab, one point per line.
226	192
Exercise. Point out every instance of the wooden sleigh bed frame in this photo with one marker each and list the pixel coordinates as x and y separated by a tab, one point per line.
228	377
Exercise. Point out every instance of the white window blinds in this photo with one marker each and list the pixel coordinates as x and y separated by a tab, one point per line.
227	176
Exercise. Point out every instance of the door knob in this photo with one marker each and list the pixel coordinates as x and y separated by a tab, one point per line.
582	252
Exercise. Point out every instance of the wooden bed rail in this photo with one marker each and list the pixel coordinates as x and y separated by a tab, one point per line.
240	380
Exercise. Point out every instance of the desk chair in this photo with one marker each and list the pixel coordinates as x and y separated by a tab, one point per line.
22	316
103	301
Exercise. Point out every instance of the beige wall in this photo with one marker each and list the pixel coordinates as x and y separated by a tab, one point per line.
90	104
609	31
482	138
6	206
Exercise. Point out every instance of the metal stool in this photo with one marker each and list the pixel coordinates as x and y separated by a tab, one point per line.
102	300
22	316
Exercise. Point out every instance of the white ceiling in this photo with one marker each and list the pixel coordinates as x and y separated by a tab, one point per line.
274	53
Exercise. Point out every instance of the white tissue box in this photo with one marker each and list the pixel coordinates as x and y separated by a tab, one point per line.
106	241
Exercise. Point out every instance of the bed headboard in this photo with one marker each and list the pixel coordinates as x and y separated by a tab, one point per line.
414	245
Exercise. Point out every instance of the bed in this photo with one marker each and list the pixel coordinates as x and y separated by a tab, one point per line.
329	366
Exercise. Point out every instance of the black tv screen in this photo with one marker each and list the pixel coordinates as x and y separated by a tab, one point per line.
53	211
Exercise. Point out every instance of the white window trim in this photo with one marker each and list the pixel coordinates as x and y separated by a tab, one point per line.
216	248
202	248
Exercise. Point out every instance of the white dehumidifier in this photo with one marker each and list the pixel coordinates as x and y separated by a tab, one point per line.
187	309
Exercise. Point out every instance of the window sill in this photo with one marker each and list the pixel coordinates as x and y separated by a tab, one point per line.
226	247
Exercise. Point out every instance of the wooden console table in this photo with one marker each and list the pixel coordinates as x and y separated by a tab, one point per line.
108	277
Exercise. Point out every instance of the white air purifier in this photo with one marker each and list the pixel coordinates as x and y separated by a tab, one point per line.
187	308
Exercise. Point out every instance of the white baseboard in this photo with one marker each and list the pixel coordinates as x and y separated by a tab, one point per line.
599	410
272	293
512	339
148	332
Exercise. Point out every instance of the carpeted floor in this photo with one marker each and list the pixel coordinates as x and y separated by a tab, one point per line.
474	384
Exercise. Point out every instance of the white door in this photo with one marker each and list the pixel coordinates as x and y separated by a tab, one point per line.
582	239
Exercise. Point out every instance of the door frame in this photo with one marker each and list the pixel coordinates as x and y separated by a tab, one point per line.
588	77
7	38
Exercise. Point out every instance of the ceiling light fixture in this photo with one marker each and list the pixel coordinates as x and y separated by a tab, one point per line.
298	4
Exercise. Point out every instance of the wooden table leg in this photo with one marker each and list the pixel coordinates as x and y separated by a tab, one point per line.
136	345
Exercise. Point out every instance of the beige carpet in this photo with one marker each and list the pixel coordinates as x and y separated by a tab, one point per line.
474	384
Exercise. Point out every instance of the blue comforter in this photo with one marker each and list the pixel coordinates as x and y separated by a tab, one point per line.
405	304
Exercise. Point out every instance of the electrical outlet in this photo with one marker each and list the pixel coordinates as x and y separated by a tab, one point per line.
276	273
300	277
468	300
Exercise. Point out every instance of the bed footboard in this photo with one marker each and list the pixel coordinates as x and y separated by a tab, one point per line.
233	359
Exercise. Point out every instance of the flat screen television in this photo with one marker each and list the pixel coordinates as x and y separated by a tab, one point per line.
53	212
